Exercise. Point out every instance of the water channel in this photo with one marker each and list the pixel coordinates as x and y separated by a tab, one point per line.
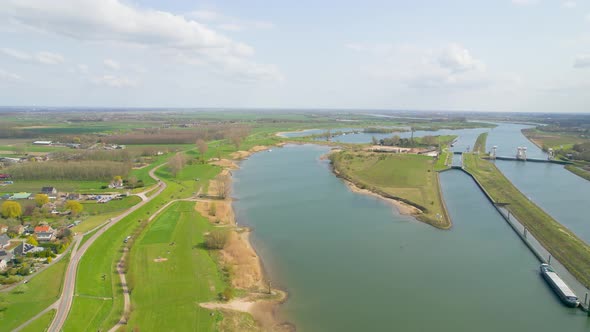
350	262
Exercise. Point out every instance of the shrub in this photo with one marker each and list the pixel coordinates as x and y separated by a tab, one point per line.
216	239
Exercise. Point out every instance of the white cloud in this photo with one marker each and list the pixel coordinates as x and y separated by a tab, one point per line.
112	64
228	23
569	4
114	21
114	81
458	59
49	58
43	57
451	66
4	75
582	61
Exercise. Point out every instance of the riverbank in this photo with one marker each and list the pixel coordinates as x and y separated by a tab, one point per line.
240	257
408	181
563	244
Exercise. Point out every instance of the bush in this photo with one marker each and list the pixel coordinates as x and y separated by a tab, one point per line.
213	209
216	239
226	295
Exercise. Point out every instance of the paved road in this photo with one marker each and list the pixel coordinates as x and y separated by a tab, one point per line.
65	301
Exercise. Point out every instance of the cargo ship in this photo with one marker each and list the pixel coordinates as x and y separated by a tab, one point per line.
566	295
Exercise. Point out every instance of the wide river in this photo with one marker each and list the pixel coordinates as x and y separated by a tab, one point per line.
350	262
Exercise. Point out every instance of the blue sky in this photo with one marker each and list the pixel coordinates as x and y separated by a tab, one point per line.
501	55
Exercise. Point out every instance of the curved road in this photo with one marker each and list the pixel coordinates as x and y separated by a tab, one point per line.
65	301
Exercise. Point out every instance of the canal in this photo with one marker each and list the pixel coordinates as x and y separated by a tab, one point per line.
350	262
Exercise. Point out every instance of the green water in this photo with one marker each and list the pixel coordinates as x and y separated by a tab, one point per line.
351	263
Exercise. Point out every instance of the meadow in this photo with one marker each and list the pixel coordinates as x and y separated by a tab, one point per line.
166	294
406	177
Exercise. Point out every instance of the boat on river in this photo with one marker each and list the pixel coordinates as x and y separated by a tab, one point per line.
567	296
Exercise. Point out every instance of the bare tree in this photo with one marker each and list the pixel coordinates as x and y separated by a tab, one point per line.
223	183
176	163
237	135
202	146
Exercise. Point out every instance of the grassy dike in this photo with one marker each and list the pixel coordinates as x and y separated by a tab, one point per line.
480	143
403	177
564	245
98	300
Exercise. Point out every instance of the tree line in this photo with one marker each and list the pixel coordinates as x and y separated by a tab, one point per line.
60	170
231	132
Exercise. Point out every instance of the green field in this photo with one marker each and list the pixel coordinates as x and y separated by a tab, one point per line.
40	324
115	205
61	185
40	292
103	297
564	245
166	295
407	177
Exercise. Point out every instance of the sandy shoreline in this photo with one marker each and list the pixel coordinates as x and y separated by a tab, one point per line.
402	208
241	255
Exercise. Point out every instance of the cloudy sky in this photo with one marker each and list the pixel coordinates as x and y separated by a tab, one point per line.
500	55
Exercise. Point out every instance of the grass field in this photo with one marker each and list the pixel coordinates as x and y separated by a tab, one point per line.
61	185
578	171
407	177
480	143
41	291
103	297
115	205
40	324
443	161
572	252
166	294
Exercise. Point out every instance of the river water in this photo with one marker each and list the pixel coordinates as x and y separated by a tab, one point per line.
350	262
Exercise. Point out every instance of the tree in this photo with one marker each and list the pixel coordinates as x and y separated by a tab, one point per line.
32	241
11	209
202	146
237	135
74	206
374	140
176	163
41	199
223	183
216	239
429	140
212	209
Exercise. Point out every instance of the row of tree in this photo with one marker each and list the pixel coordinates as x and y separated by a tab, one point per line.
232	132
61	170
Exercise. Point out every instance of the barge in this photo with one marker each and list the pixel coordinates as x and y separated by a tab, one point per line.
566	295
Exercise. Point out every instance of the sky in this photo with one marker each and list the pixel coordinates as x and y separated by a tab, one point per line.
500	55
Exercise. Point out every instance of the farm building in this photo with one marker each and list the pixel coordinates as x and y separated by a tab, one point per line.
42	143
49	191
20	196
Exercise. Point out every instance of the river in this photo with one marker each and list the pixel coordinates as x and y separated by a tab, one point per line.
350	262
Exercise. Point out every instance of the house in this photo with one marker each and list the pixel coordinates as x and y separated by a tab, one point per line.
5	258
25	248
45	236
3	229
49	191
4	241
44	233
18	229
